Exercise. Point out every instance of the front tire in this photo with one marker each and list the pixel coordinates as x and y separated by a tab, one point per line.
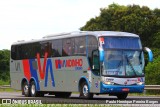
26	90
84	91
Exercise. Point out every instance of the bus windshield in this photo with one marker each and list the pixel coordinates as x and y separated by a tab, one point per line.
123	63
122	43
123	57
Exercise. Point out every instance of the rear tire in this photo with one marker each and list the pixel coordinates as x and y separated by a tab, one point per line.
33	90
84	91
26	90
122	96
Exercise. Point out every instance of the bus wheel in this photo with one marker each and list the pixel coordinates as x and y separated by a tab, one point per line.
25	89
122	96
84	91
33	89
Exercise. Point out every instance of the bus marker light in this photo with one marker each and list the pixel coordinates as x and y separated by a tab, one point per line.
125	89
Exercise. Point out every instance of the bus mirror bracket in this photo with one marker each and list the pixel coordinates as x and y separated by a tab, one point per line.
150	54
101	53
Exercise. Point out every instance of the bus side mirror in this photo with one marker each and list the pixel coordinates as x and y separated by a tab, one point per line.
95	59
150	54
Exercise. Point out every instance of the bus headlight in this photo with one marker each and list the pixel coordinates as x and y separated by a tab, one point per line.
140	83
108	82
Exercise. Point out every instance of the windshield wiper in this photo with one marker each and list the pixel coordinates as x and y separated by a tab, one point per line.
131	66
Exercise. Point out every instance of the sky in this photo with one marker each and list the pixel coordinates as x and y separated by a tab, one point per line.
33	19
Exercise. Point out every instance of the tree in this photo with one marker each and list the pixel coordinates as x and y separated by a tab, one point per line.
4	65
133	18
153	72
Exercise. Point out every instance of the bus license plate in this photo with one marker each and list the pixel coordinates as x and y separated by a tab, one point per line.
125	89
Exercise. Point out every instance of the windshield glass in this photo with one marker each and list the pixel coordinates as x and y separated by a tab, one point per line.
122	43
123	63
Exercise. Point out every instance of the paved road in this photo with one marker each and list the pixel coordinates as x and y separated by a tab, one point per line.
16	97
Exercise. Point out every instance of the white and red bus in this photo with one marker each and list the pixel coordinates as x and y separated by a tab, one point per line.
98	62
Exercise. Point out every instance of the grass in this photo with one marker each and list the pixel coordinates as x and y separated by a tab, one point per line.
9	90
57	105
4	82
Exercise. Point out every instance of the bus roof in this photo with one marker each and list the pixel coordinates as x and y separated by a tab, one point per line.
79	33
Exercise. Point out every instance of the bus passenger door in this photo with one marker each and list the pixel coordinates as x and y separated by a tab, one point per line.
95	86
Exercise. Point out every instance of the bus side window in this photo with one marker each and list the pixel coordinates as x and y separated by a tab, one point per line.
80	46
68	47
13	52
56	48
91	46
45	48
37	49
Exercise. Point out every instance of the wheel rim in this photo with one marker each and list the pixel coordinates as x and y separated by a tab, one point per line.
26	89
33	90
85	90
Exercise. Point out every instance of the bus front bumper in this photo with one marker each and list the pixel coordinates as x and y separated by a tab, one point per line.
111	89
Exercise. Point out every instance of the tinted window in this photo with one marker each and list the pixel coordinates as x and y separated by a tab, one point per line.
56	48
14	54
68	47
36	48
80	46
29	51
92	45
46	48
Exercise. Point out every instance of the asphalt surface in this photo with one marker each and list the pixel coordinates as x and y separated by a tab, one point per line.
17	98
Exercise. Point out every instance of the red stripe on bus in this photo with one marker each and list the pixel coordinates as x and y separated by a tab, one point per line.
56	62
26	69
42	72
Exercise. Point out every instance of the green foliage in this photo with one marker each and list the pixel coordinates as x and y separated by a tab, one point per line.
156	41
4	65
156	52
4	82
133	18
153	72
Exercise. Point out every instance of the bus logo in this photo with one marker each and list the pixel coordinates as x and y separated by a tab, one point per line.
77	63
